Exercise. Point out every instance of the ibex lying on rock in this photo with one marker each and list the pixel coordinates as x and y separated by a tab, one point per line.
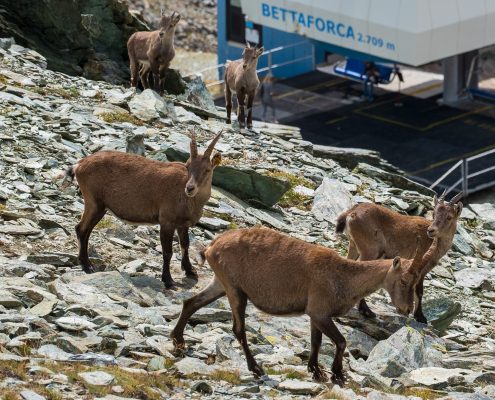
375	232
153	51
143	191
281	275
241	78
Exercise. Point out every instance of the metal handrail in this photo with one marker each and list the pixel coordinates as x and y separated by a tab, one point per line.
466	175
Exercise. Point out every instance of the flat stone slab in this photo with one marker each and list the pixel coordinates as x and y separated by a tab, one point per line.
21	230
97	378
300	387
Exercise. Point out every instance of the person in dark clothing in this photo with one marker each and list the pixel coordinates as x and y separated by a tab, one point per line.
266	94
371	75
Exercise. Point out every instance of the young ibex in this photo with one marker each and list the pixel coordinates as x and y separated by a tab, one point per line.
241	78
375	232
143	191
153	51
281	275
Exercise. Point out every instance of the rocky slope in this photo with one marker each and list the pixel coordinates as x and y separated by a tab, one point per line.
67	335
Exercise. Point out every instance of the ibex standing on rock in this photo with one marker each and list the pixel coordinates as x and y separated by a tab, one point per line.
377	232
143	191
241	78
153	51
281	275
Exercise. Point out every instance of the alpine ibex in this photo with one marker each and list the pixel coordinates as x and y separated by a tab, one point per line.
281	275
143	191
154	51
241	78
375	232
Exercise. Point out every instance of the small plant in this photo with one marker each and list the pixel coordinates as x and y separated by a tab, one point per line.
232	377
118	117
105	223
291	198
290	373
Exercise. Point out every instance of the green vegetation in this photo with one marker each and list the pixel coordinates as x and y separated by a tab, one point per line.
105	222
117	117
292	198
232	377
70	93
290	373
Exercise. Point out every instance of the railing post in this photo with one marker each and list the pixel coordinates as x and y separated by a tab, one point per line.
465	173
270	62
313	56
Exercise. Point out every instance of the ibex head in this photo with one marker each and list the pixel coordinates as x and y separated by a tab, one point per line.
445	216
200	166
402	278
168	22
250	56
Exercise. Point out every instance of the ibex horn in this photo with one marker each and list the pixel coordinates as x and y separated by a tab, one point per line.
248	45
442	197
456	198
209	150
162	11
194	145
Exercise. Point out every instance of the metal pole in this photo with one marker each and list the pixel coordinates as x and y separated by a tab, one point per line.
313	57
465	172
270	62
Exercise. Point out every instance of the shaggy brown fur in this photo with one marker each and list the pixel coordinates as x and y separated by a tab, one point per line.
281	275
144	191
241	78
153	51
377	232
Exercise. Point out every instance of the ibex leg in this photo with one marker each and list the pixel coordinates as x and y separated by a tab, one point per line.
166	239
184	246
313	366
418	312
250	101
241	100
228	102
211	293
92	214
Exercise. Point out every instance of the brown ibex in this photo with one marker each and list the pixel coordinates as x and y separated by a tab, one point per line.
241	78
282	275
143	191
154	51
375	232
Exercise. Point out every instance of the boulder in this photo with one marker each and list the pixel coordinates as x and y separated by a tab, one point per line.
402	352
86	37
474	278
149	105
440	378
331	198
97	378
392	179
441	312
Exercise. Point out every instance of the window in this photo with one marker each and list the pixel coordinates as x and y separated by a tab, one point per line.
236	25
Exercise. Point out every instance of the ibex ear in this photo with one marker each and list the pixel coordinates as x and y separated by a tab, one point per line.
216	160
396	263
458	207
260	51
435	200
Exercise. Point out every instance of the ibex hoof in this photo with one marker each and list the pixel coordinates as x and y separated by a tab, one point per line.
338	378
421	318
192	274
257	370
90	269
169	283
229	121
250	126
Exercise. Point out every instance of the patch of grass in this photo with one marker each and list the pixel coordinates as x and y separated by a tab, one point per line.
13	369
472	223
25	350
8	394
290	373
116	117
70	93
105	223
3	80
232	377
291	198
423	393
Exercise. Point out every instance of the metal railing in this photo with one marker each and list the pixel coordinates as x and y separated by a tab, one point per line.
271	66
466	175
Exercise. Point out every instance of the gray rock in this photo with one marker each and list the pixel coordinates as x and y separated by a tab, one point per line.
19	230
474	278
296	386
486	212
156	364
30	395
53	352
75	324
404	351
214	224
440	378
189	365
148	106
331	199
201	387
135	144
97	378
441	312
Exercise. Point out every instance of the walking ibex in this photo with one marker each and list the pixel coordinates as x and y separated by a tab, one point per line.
143	191
153	51
241	78
375	232
281	275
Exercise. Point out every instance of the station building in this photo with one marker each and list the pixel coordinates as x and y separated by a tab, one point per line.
301	34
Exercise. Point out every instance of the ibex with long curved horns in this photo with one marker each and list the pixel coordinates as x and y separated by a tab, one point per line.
241	78
377	232
143	191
